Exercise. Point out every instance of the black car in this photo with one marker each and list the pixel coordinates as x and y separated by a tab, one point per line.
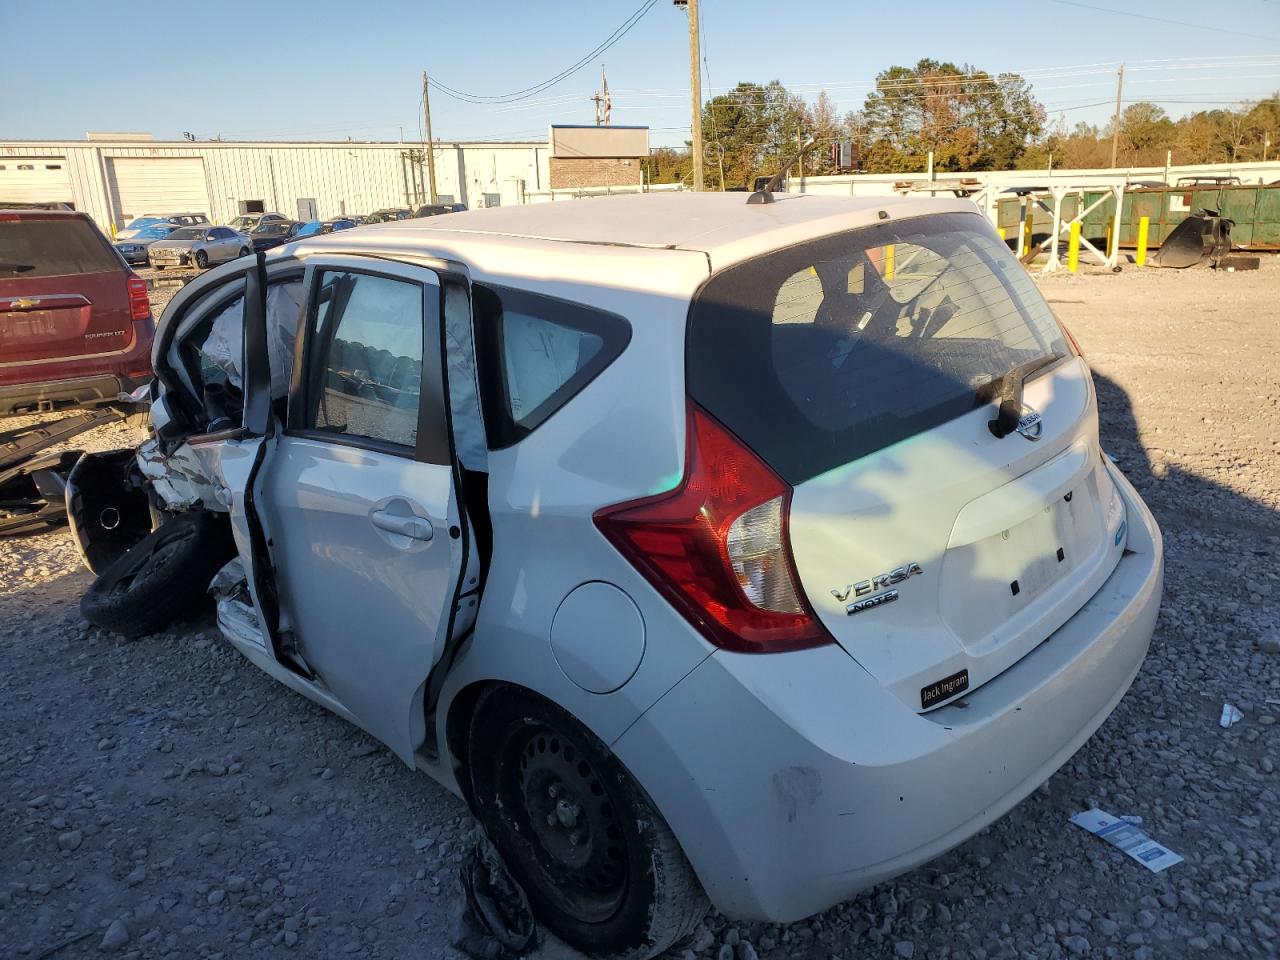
435	209
388	215
273	233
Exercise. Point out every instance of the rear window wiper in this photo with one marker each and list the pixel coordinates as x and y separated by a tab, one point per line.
17	267
1009	389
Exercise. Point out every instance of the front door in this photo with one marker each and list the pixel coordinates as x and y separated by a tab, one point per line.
369	543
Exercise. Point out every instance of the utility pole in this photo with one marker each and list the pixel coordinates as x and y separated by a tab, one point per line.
695	85
430	144
1115	124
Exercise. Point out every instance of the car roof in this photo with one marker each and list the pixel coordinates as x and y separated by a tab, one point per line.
20	213
704	222
613	242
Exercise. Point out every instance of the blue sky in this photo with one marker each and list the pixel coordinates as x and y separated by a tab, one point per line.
328	70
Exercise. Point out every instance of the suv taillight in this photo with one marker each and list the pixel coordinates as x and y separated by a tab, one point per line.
139	302
716	546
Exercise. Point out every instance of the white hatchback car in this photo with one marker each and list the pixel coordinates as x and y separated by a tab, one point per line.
766	550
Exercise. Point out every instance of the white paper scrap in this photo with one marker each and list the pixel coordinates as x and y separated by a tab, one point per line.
1230	715
1128	838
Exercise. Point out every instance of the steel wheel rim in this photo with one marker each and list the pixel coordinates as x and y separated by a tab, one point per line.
570	838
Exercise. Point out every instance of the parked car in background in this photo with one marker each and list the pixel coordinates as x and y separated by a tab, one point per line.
34	205
198	246
75	321
134	250
388	215
247	221
1206	180
147	220
313	228
435	209
689	541
273	233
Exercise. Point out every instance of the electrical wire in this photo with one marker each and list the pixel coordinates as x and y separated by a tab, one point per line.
1178	23
618	34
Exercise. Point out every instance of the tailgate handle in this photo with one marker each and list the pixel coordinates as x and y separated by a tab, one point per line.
416	528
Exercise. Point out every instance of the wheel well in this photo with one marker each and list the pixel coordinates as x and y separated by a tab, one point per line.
457	731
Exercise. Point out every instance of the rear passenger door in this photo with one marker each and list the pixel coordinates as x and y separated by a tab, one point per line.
369	541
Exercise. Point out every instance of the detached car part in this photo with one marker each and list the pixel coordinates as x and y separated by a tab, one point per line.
163	577
32	482
1203	236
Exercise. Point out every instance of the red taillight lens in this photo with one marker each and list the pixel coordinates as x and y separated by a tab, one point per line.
1071	337
139	302
716	546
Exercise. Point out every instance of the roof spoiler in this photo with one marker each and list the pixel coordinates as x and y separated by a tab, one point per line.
764	194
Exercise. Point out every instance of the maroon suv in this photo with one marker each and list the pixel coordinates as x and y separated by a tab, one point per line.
75	321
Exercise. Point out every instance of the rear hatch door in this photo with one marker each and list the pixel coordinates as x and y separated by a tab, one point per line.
864	371
63	292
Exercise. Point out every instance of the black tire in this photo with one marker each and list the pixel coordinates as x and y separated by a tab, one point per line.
202	260
244	251
622	888
161	579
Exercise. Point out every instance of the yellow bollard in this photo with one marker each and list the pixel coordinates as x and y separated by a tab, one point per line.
888	262
1073	248
1144	225
1109	239
1026	238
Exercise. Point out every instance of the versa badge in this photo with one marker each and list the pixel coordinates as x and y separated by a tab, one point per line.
864	588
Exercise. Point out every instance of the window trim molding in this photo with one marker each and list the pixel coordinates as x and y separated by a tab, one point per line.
295	419
490	301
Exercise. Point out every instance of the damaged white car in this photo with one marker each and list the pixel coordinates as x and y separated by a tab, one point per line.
766	550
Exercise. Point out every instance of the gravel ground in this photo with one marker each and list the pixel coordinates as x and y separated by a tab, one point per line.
162	798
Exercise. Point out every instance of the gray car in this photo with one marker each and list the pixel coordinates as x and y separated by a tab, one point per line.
249	221
134	250
199	246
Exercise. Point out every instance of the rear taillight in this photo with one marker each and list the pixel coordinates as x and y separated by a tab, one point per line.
716	546
1074	345
139	302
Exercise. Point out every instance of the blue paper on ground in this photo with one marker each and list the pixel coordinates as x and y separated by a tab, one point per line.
1129	838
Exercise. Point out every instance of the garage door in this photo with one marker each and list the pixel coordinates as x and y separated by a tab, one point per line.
34	180
147	185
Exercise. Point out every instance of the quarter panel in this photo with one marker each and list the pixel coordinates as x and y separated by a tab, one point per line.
621	438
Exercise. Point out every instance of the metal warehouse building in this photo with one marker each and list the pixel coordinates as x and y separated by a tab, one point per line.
117	179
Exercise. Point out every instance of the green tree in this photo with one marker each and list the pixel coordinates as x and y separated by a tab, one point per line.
668	165
750	131
969	119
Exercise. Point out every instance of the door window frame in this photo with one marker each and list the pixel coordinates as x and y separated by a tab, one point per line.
433	441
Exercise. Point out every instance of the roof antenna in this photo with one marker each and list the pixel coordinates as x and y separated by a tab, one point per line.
764	194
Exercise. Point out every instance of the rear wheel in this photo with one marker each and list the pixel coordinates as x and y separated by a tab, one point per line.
600	866
244	251
202	259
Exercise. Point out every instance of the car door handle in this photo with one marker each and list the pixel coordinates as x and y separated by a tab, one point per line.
415	528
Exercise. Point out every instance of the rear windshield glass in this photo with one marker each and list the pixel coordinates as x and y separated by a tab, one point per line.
53	248
188	233
821	353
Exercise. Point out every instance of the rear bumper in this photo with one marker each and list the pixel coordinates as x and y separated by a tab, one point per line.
58	394
794	781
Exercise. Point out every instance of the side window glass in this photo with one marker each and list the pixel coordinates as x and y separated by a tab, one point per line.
365	360
538	353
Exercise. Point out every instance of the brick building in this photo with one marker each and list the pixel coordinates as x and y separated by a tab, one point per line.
591	156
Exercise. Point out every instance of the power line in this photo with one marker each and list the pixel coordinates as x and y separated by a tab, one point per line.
1178	23
618	34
